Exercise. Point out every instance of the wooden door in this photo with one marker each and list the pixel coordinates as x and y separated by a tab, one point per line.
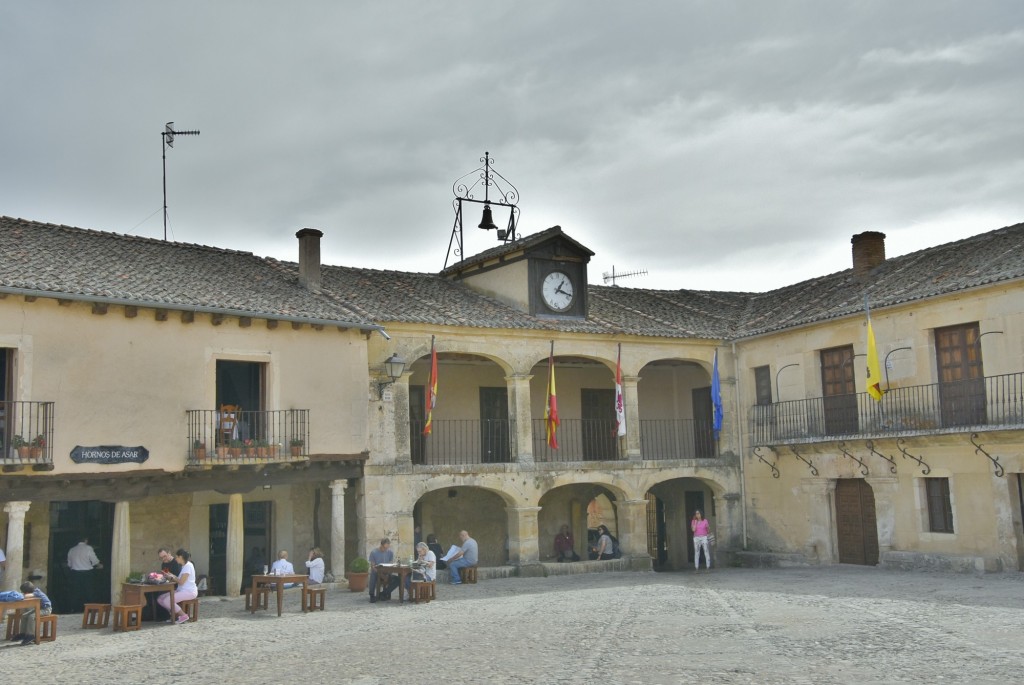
494	439
856	528
839	391
417	420
598	424
961	376
703	423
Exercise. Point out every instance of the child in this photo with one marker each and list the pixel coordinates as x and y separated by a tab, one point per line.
28	616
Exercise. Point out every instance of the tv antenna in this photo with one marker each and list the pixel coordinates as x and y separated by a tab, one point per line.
167	136
625	274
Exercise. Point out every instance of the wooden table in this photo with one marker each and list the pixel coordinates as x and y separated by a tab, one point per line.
385	571
134	594
17	607
279	581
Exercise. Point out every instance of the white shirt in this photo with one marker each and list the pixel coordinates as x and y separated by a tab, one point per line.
282	567
316	570
3	562
82	557
190	582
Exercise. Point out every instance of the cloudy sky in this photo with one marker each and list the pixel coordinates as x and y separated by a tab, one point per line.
720	145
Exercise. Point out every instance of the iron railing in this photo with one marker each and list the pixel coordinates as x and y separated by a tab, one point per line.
990	402
26	432
677	439
247	435
461	441
578	440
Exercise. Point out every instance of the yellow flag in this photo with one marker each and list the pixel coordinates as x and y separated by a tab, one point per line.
874	384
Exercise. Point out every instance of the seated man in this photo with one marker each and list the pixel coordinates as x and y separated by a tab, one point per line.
467	556
564	544
282	567
382	555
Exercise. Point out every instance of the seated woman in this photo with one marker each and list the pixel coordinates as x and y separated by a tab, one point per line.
424	569
186	582
435	547
605	546
315	566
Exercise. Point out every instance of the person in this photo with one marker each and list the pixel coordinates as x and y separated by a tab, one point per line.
3	563
467	556
699	526
28	617
564	545
424	569
382	555
283	567
315	564
168	564
82	561
605	546
82	557
435	547
186	587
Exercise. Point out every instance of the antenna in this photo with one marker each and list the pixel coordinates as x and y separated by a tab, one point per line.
167	137
625	274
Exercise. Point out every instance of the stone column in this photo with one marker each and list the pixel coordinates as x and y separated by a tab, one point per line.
120	550
522	420
400	406
235	546
632	406
632	523
338	488
885	489
15	543
819	495
728	523
523	549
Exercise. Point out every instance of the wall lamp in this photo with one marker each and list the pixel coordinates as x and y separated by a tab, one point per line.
393	367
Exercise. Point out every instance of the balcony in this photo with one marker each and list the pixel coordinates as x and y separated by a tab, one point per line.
578	440
993	402
455	442
677	439
26	435
258	436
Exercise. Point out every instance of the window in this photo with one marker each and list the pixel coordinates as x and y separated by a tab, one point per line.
763	384
940	507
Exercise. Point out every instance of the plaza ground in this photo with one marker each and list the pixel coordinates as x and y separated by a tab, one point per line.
839	624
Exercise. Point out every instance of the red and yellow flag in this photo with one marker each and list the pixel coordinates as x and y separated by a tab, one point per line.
551	410
431	396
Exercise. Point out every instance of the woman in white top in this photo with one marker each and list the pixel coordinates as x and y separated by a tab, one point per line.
315	566
186	587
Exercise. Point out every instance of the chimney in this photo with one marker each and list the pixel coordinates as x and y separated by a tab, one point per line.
868	252
309	258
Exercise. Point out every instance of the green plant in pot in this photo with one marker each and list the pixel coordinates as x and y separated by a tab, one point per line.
358	573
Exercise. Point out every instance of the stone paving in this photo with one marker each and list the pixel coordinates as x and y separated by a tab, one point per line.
822	625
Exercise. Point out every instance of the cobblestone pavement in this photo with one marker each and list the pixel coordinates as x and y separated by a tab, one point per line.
823	625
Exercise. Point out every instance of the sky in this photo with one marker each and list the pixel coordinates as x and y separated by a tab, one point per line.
715	145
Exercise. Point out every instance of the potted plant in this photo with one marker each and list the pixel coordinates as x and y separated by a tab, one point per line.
36	448
358	573
222	451
21	445
274	450
296	446
235	449
261	449
199	450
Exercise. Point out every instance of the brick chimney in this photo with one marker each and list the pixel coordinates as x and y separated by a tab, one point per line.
868	252
309	258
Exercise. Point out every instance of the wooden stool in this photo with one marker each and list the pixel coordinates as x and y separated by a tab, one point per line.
47	628
468	574
423	591
13	623
190	607
96	616
262	595
313	599
127	617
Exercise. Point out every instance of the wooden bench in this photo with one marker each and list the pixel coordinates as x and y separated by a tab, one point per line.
47	628
313	598
190	607
468	574
423	591
127	617
262	598
96	616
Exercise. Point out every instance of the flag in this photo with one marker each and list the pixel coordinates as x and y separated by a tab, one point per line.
620	406
874	382
431	396
551	410
716	397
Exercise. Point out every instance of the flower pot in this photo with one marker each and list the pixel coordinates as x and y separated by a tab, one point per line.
222	452
275	451
296	450
235	452
199	453
35	452
24	452
261	452
356	581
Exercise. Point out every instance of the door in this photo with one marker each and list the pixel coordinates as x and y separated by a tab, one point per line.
598	424
417	419
856	528
494	442
257	544
242	384
961	377
69	523
839	391
657	540
703	423
693	500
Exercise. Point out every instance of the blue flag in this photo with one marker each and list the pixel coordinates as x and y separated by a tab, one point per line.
716	397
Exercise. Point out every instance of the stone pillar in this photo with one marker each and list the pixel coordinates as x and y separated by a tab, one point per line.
885	489
15	543
399	405
632	406
338	488
120	550
819	494
235	546
522	419
728	523
632	523
523	549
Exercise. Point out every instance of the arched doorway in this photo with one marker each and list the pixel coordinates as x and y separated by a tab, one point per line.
480	512
670	506
582	507
856	528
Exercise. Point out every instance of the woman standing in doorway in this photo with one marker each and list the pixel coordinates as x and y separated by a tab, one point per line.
700	528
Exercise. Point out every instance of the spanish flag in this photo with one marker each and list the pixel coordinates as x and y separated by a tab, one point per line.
431	396
551	410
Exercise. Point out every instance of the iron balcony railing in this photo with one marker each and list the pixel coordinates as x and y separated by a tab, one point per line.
26	432
990	402
578	440
453	442
677	439
247	435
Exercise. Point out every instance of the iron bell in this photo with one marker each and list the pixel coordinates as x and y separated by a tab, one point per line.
487	222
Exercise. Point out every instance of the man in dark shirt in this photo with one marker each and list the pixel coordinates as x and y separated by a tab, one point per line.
168	564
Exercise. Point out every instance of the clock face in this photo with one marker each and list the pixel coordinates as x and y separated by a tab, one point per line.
557	291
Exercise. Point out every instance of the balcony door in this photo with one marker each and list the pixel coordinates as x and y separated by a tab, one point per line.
598	425
242	384
839	391
961	377
703	423
494	442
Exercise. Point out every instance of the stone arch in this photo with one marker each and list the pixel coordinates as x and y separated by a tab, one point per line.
673	395
671	501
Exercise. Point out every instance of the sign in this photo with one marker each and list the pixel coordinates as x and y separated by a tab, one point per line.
109	454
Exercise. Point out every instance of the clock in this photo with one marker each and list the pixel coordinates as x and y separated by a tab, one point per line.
557	291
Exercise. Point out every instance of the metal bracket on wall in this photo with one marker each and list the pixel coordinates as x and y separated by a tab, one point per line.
797	455
871	448
775	470
863	466
926	469
1000	471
